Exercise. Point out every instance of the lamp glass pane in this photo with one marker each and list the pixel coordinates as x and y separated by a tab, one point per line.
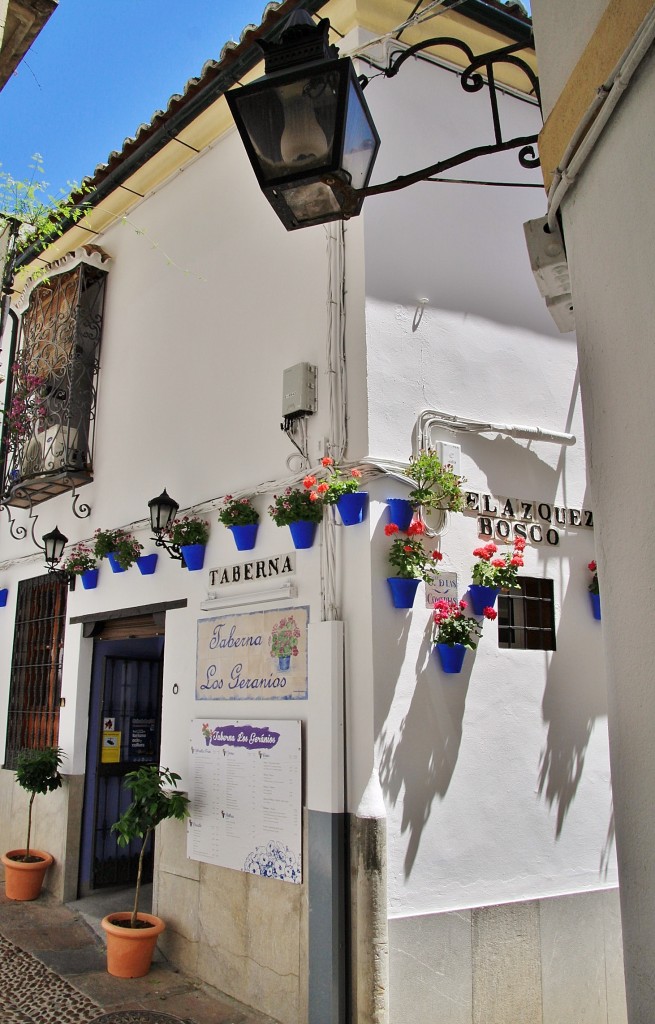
291	126
311	202
360	142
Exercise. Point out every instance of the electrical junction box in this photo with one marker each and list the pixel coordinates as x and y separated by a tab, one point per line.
299	390
450	454
551	270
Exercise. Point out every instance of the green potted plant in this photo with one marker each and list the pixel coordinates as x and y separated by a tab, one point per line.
37	771
454	633
81	561
300	510
437	487
190	534
242	518
132	935
493	572
343	491
412	563
119	547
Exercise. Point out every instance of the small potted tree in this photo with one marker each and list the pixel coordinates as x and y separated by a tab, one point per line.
37	771
132	935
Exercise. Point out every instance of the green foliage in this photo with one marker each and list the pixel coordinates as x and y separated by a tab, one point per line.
41	216
80	559
119	543
498	570
37	771
408	557
238	512
451	626
151	804
437	486
189	530
337	484
296	506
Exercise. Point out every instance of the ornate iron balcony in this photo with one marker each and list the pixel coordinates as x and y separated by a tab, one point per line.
48	426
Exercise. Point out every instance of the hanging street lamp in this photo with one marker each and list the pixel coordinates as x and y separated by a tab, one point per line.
306	127
309	134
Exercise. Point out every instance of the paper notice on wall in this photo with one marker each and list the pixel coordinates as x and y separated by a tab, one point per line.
245	792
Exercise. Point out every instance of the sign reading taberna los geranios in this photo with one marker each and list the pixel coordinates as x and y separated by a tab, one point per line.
253	656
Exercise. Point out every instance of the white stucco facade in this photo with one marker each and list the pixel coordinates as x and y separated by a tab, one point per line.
608	221
492	787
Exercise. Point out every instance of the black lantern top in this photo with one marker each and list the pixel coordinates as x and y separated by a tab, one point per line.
306	127
163	510
54	543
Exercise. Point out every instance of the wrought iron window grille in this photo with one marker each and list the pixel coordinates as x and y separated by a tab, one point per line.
35	682
526	616
50	407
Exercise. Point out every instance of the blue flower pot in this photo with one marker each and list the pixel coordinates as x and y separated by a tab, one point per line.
245	536
352	507
400	512
3	597
451	656
90	579
482	597
115	567
194	556
147	563
595	605
284	662
403	591
303	533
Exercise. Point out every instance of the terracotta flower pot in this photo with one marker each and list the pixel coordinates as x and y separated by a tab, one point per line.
130	950
23	881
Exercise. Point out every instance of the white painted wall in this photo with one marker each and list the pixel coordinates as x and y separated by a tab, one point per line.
609	226
496	782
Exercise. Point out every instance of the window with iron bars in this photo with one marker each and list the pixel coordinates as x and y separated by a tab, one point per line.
526	616
50	403
35	683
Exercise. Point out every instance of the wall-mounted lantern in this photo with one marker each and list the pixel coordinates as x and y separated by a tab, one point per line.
163	510
306	126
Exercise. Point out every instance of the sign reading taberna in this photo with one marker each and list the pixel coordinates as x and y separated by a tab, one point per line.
253	656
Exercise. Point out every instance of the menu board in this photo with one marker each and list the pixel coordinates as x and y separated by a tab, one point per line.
245	792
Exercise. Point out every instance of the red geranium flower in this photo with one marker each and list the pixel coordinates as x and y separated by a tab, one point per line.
390	529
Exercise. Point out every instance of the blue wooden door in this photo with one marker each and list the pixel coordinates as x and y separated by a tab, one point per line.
124	734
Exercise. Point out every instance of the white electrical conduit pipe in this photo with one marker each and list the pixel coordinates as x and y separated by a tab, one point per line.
432	417
586	135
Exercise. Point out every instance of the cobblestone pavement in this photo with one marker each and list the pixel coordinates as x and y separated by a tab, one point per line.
53	971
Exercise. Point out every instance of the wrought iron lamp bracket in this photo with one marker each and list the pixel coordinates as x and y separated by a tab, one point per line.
172	549
478	73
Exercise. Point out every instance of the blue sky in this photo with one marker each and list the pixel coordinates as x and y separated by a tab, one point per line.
99	69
